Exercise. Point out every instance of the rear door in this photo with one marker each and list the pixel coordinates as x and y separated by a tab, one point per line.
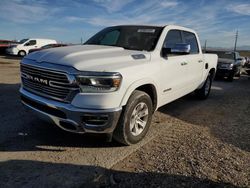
195	64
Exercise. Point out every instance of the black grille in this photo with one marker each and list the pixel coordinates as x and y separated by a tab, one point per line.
47	83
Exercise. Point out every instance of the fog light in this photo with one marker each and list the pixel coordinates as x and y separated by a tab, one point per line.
68	125
95	119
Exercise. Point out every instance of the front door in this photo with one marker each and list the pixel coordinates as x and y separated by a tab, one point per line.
174	80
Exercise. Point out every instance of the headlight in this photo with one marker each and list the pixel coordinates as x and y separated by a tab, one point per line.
227	65
97	82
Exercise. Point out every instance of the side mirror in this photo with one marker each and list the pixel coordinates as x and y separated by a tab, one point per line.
180	49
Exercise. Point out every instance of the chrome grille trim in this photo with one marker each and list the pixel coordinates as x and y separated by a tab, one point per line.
45	72
48	83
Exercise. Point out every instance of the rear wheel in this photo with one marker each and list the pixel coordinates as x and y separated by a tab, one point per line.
135	119
22	53
204	92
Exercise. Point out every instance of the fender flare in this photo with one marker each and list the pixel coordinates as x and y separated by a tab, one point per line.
206	75
135	85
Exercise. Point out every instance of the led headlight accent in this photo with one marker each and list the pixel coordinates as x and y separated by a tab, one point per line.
99	83
227	65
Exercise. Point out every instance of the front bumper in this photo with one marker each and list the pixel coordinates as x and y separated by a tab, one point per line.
224	72
71	118
11	51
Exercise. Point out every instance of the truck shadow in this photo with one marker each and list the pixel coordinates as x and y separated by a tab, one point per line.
225	112
20	130
26	173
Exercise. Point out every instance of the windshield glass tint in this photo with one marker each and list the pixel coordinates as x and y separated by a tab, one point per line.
225	55
128	37
47	46
23	41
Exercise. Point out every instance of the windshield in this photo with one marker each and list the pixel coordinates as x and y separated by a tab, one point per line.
226	55
128	37
22	41
47	46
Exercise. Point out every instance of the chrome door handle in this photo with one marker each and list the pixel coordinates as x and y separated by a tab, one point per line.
184	63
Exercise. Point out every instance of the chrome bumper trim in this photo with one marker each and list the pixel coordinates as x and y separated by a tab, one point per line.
73	115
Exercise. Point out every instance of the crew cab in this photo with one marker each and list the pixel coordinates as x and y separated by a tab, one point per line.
116	81
229	64
23	47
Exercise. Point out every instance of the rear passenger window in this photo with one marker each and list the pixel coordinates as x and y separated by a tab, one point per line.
190	38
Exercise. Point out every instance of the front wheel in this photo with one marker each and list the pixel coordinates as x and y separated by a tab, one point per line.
230	78
204	92
22	53
135	119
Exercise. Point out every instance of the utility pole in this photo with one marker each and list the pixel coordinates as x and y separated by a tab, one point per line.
205	46
81	40
236	38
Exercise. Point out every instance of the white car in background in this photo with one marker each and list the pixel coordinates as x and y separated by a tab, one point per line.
243	61
23	47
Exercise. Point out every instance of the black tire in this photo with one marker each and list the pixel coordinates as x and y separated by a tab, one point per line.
230	78
204	92
123	133
21	53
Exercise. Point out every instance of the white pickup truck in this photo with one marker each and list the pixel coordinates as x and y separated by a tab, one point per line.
115	81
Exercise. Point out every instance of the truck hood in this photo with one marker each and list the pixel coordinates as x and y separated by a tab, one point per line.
223	60
91	57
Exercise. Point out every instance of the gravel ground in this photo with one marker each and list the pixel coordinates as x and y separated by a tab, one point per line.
191	143
208	144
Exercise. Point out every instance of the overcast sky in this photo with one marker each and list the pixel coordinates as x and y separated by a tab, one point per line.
68	21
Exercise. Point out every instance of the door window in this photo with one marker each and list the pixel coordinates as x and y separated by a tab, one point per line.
173	37
30	43
190	38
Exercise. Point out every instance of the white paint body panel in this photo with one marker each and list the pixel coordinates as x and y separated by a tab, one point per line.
163	73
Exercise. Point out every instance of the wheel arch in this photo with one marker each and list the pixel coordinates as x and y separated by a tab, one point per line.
212	71
146	86
22	50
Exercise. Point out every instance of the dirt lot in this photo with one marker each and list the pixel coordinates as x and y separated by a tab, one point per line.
191	143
